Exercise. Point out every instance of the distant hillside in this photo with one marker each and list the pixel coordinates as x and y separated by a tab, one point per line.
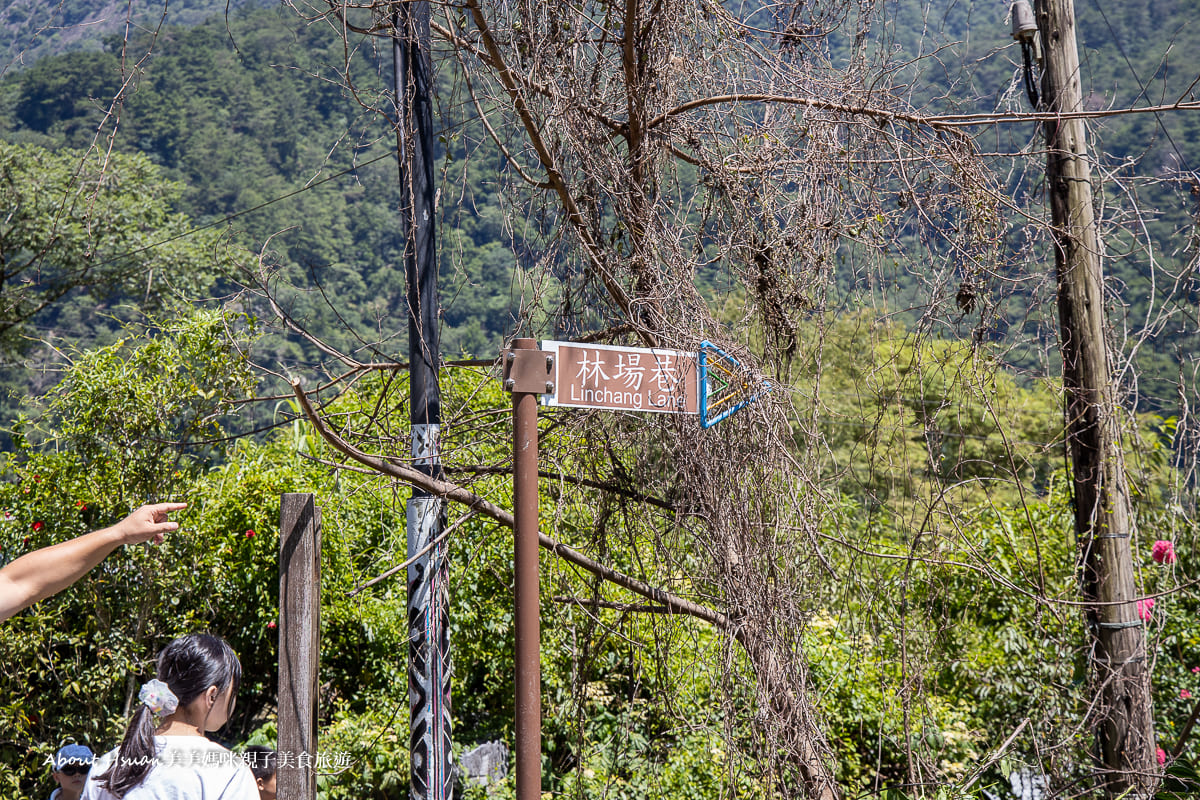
266	132
33	29
1132	54
241	127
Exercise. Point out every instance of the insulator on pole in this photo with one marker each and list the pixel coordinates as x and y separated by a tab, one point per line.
1025	30
1024	24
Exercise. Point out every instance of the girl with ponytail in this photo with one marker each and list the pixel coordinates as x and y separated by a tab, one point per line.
165	754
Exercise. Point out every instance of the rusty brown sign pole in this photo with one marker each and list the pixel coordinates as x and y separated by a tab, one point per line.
580	376
527	373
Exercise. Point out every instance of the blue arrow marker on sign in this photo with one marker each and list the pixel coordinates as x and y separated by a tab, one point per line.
725	386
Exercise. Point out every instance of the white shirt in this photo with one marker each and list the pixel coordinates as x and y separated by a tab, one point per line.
187	768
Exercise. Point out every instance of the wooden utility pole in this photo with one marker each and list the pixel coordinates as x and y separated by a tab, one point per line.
1122	716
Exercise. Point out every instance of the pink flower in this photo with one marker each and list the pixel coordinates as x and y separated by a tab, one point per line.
1195	669
1185	694
37	526
1163	552
1144	607
250	534
271	625
1162	756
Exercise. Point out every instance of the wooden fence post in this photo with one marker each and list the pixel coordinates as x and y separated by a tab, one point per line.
299	644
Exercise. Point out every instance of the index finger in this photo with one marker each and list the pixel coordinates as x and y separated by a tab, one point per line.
163	508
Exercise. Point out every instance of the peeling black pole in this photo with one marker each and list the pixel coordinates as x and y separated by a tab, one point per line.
429	632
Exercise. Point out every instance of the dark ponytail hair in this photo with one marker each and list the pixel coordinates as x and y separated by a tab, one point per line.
189	665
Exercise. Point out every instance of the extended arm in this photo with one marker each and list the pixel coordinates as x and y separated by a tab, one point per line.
37	575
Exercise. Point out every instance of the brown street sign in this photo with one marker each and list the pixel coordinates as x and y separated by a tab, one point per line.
623	378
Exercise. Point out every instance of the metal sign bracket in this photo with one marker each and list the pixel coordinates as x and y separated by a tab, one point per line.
529	371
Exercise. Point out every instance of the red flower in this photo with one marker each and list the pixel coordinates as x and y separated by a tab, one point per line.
1163	552
250	534
271	625
37	526
82	506
1144	608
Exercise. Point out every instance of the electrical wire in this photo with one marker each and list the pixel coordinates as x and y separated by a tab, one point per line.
230	217
1142	86
1031	89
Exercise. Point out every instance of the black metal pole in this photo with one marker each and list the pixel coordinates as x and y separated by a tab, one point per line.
428	606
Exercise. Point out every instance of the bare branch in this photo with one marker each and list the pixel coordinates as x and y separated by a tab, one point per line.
475	503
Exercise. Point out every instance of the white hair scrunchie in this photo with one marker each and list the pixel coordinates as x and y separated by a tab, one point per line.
158	697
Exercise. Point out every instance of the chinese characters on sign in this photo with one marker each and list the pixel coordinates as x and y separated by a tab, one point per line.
624	378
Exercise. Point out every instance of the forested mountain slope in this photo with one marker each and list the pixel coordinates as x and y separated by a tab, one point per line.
247	115
1147	165
249	107
33	29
